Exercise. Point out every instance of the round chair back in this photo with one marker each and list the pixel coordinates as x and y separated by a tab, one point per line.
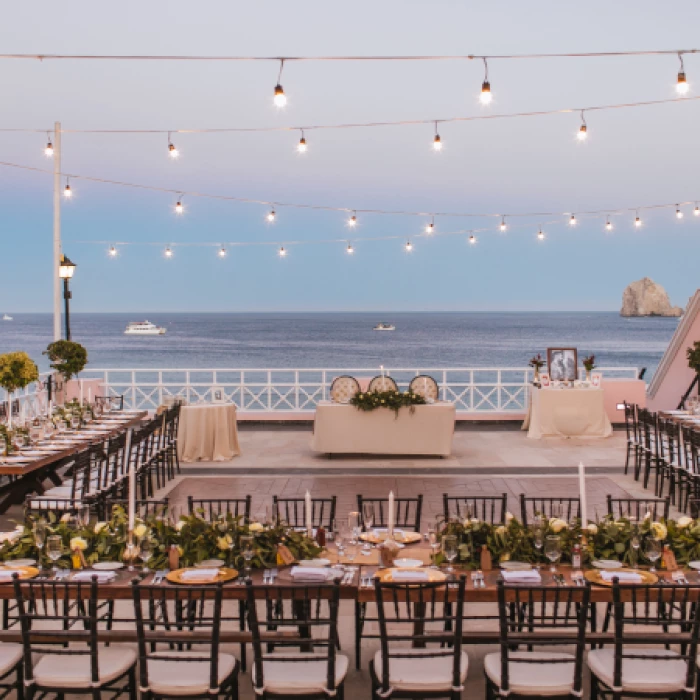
383	383
425	386
344	388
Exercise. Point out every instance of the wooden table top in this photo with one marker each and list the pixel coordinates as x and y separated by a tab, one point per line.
130	419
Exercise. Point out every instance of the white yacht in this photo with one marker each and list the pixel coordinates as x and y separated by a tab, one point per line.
144	328
7	317
384	327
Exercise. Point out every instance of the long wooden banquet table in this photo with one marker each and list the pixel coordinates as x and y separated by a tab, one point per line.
28	471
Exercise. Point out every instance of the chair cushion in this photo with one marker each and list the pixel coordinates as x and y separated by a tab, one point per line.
299	677
537	679
185	677
641	675
431	673
56	671
10	656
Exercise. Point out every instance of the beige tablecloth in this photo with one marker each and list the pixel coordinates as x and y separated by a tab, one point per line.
208	432
573	412
342	429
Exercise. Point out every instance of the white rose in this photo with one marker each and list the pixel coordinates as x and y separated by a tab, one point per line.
659	531
683	522
557	525
65	517
180	524
255	527
501	530
509	517
140	530
592	529
99	527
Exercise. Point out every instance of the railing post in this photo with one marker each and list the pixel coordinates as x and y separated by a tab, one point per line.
188	393
160	387
296	389
269	390
133	390
499	389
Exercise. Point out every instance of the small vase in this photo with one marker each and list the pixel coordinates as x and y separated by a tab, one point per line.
588	376
536	379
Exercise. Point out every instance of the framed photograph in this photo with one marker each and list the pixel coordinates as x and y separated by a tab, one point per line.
218	395
562	364
596	379
544	379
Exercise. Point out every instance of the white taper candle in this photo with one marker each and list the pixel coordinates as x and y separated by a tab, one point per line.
391	518
582	494
307	511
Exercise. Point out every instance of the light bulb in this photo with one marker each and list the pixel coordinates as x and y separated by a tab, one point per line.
302	147
409	246
352	221
540	235
67	192
178	207
172	151
168	253
472	240
696	211
572	220
437	143
280	98
222	252
485	96
48	151
112	252
608	225
679	214
430	228
682	86
349	250
282	252
271	215
582	133
638	222
504	226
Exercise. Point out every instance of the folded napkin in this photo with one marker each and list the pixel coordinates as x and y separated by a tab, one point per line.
399	576
623	576
102	576
199	575
383	531
11	536
527	576
309	573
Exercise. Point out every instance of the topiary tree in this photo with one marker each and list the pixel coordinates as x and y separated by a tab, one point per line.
67	358
693	355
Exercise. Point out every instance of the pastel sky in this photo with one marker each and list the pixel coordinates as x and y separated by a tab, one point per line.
632	157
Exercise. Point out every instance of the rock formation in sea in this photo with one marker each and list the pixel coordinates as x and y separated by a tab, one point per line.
646	298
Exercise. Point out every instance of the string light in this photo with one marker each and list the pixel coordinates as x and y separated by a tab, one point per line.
682	86
572	220
583	130
485	97
352	221
301	146
112	252
437	143
409	246
280	99
67	192
271	216
504	226
540	234
222	252
48	151
679	213
168	252
179	209
608	225
696	211
349	250
172	151
430	228
638	221
282	252
472	240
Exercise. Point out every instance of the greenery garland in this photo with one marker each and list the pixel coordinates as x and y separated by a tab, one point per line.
395	400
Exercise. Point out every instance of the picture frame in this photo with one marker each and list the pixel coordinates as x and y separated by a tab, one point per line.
218	395
562	364
545	380
596	379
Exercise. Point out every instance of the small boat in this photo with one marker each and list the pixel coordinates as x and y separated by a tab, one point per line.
384	327
143	328
7	317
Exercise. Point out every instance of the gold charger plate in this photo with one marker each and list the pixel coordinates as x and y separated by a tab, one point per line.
25	572
224	576
387	575
407	537
647	577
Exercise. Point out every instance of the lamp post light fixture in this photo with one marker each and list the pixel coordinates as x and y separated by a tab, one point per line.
66	269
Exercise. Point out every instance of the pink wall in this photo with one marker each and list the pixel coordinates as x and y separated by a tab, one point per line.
617	391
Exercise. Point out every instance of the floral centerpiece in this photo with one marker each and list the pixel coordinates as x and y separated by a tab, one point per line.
395	400
17	370
589	366
537	363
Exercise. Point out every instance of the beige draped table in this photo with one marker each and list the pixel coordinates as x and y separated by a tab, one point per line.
343	429
208	432
577	412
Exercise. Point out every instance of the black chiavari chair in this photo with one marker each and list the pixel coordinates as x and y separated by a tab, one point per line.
421	640
166	669
407	512
539	617
548	507
637	508
144	508
72	661
691	451
633	441
667	614
293	511
305	662
649	439
213	508
669	456
490	509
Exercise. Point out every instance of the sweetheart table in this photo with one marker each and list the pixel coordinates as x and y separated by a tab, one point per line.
343	429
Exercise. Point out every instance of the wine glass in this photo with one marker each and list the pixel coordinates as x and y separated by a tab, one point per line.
145	553
434	541
368	521
354	525
552	550
40	535
54	549
652	551
75	421
449	549
635	543
247	551
538	538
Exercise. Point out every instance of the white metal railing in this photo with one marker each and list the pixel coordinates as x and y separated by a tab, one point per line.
472	389
30	401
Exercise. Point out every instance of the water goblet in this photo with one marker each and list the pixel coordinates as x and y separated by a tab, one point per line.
552	550
449	549
538	539
247	551
54	549
145	553
434	541
350	554
39	531
354	525
652	551
635	543
368	521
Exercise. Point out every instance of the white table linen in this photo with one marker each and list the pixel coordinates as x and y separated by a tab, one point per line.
208	432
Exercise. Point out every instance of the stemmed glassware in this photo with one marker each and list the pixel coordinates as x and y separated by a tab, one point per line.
552	550
538	537
247	551
368	521
40	535
354	526
449	549
145	553
652	551
54	549
434	541
635	543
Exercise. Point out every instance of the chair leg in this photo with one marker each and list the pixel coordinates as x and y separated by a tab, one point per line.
242	615
133	694
358	635
594	688
20	681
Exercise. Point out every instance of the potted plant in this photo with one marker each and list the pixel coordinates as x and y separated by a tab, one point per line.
589	366
537	363
17	370
68	359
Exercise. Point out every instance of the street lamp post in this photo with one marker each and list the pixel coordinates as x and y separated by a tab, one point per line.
65	272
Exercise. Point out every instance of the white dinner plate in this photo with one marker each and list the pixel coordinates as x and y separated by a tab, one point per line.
210	564
694	565
408	563
315	563
107	566
515	566
607	564
17	563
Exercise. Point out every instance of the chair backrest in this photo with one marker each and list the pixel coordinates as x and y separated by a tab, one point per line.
344	388
691	448
144	508
631	425
382	383
56	607
309	611
213	508
647	429
490	509
415	614
564	507
664	605
293	511
115	457
425	386
407	511
541	613
637	508
186	609
669	437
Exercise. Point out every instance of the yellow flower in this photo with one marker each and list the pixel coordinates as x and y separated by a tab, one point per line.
509	517
224	543
180	551
683	522
99	527
255	527
557	525
592	529
501	530
140	531
78	543
659	531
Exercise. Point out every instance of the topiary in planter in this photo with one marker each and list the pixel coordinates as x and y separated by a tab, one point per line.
67	358
693	355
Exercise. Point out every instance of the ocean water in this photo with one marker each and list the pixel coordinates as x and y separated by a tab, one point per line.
346	340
